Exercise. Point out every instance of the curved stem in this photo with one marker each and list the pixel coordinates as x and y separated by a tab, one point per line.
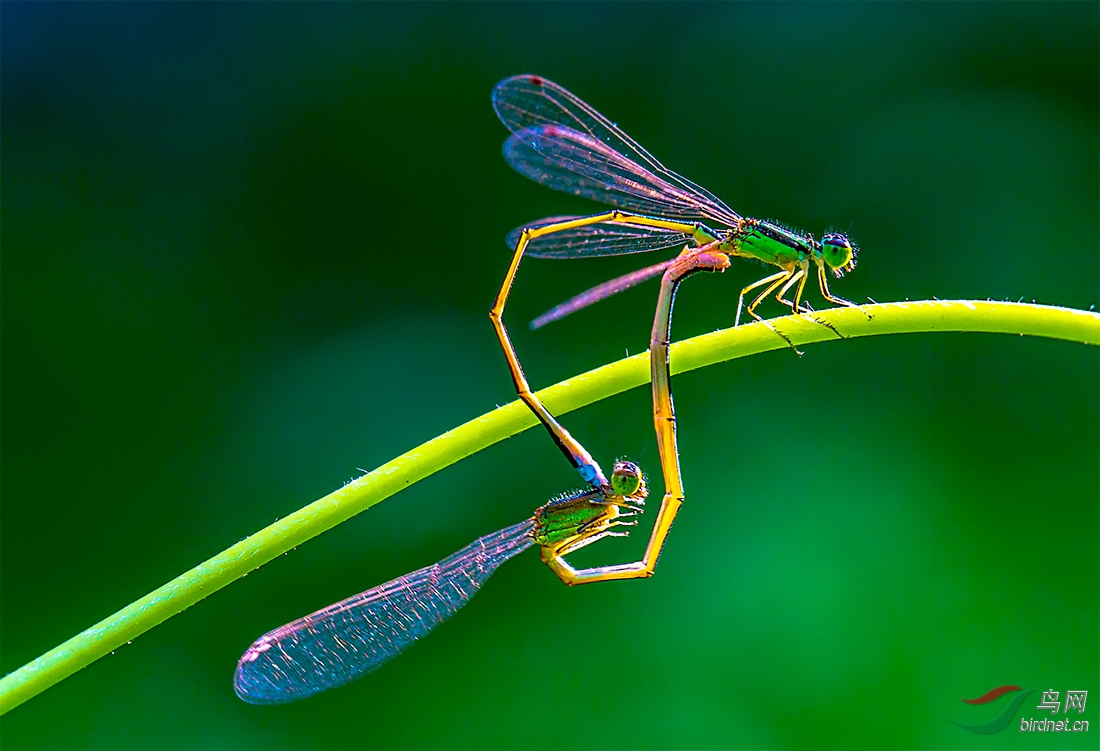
484	431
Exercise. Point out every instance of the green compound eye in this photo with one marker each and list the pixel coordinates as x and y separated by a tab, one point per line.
626	480
838	252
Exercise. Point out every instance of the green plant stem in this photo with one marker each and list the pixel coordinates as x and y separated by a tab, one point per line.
364	492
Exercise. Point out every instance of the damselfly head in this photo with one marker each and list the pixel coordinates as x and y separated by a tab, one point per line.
628	481
839	253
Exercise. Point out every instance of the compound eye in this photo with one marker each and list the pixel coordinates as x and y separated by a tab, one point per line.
626	480
839	253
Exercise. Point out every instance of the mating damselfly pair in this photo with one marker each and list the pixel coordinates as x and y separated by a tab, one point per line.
563	143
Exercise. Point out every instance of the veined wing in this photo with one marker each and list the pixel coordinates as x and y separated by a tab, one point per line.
599	292
353	637
573	162
565	144
607	239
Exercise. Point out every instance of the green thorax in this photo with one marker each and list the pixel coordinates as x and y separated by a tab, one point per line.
570	516
773	244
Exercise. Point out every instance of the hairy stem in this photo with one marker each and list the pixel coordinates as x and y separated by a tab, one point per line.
427	459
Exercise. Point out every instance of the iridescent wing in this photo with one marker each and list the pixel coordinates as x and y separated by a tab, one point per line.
599	292
358	635
607	239
561	142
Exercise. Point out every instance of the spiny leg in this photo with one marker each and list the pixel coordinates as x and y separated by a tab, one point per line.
824	287
797	307
796	304
779	278
577	455
823	284
776	280
754	285
554	555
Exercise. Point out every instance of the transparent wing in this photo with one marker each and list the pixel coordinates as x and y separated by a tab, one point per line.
353	637
573	162
607	239
599	292
565	144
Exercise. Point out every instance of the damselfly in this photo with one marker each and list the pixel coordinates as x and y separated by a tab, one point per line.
563	143
360	634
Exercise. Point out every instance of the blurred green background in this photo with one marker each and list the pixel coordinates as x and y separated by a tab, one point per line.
250	248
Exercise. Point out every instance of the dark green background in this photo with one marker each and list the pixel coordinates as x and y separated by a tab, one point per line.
248	249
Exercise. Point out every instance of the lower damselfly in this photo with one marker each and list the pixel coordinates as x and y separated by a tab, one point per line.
358	635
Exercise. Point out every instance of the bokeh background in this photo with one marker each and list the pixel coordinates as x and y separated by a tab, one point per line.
249	249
